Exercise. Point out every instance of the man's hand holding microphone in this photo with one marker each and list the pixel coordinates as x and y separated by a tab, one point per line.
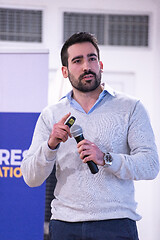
88	151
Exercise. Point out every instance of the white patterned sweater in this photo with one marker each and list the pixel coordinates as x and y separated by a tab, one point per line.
119	125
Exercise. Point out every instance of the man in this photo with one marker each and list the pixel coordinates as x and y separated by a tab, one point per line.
118	138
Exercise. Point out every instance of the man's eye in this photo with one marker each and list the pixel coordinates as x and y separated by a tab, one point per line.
93	59
77	61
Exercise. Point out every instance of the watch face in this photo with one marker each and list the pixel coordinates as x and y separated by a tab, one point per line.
108	159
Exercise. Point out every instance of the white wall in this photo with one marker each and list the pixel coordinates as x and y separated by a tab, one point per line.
23	77
141	64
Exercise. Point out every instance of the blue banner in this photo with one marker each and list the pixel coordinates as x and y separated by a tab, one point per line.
22	208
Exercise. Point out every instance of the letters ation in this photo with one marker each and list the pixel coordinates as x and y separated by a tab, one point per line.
10	162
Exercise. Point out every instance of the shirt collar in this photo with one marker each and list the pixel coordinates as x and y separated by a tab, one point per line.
106	87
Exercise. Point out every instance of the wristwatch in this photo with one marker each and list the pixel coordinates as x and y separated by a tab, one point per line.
107	159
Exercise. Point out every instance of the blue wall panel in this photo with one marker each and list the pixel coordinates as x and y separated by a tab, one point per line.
22	208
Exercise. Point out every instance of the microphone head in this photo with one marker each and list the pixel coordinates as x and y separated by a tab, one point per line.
76	130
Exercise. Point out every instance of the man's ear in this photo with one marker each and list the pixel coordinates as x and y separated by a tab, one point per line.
64	71
101	65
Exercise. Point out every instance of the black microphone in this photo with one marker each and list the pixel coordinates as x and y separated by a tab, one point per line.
77	133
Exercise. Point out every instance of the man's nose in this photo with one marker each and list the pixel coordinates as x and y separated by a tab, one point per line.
86	66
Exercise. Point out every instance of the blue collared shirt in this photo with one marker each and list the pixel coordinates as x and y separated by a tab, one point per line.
76	105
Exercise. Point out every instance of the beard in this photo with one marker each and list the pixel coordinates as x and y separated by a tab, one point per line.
83	87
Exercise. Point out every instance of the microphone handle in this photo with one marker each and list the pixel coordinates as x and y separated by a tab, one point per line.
92	165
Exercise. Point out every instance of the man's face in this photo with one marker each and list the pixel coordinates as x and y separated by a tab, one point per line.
84	68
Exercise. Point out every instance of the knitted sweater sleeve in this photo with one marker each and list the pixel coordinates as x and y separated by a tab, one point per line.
39	161
142	162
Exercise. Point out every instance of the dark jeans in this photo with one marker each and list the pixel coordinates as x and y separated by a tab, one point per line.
116	229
